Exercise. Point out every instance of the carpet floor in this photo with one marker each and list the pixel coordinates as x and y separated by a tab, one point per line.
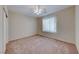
40	45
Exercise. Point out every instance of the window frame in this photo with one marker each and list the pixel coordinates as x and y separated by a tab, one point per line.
55	24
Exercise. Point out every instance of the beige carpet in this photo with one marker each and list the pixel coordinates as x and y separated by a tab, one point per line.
40	45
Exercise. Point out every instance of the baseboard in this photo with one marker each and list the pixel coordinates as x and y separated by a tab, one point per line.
40	35
22	38
56	39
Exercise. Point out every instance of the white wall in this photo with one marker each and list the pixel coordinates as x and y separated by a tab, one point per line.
1	32
65	25
21	26
77	26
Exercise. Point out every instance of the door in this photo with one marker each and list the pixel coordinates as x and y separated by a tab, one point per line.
3	29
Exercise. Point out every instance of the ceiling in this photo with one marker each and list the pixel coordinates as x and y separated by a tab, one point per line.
28	9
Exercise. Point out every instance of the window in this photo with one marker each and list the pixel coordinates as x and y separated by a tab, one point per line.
49	24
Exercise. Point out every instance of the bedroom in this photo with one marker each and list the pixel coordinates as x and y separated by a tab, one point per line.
40	29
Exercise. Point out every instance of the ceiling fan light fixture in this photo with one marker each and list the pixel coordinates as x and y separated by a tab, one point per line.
38	10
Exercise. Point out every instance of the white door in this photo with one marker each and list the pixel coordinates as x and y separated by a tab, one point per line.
3	29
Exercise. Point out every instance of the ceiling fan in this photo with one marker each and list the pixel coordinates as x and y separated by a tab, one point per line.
39	9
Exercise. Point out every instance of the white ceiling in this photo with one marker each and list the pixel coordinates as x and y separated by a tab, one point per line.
28	9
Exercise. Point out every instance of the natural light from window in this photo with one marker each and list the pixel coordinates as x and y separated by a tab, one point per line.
49	24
